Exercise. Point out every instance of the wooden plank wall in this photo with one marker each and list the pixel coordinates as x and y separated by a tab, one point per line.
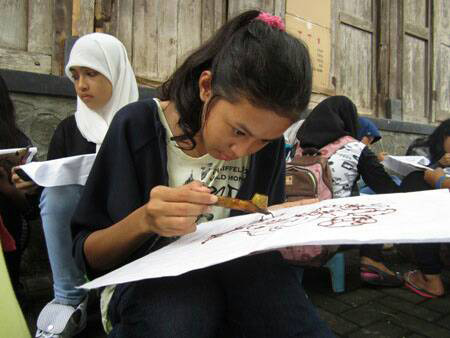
380	48
158	34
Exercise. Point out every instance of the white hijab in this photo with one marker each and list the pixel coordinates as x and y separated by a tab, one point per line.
108	56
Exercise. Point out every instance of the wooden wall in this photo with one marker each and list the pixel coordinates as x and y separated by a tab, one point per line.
383	51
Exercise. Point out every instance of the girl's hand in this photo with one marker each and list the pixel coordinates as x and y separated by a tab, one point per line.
27	187
381	156
445	160
293	204
174	211
432	176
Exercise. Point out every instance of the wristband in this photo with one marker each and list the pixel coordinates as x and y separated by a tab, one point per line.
440	181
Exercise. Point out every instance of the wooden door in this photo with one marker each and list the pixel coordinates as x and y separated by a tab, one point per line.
354	51
441	60
416	61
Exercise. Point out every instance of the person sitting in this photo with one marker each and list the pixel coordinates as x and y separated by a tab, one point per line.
104	82
427	281
332	119
223	110
369	134
15	206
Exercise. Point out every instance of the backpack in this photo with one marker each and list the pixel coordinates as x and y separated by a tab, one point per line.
308	175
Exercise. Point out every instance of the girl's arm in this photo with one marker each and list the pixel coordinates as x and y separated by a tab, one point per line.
169	212
374	174
437	176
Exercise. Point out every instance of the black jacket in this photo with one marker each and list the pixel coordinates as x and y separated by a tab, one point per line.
133	160
68	141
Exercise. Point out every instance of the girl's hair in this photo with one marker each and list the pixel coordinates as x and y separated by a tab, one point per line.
436	140
247	58
8	129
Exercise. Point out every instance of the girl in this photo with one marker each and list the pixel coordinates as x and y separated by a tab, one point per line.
427	281
330	120
219	119
14	205
104	82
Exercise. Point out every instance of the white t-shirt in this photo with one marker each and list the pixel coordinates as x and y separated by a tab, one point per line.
223	177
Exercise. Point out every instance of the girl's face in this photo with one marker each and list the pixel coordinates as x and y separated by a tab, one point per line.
447	144
233	130
93	88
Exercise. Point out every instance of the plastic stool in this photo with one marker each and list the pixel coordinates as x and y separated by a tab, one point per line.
336	265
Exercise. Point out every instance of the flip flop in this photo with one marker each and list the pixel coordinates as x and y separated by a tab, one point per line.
374	276
417	289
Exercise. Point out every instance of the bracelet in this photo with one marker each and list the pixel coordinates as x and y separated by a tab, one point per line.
440	181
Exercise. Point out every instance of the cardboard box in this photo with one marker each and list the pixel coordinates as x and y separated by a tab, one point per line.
317	38
317	11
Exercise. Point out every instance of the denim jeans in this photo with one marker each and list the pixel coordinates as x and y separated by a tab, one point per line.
253	296
57	207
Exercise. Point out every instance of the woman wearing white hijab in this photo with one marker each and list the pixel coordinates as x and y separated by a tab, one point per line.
104	82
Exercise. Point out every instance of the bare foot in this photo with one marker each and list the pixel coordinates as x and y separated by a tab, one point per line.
378	265
430	283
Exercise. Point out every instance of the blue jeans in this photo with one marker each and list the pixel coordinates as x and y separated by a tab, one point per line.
57	207
253	296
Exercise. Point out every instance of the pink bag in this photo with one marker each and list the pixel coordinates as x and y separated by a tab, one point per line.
309	176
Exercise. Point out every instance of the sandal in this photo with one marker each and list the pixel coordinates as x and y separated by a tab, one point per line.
417	289
374	276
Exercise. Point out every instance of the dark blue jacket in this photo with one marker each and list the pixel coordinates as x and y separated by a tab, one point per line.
133	160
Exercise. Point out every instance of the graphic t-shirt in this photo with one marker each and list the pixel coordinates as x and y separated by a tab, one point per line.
344	168
223	177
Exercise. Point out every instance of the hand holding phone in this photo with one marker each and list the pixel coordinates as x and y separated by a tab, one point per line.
22	181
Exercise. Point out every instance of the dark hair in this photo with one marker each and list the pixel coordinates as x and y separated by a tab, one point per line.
8	129
247	58
436	141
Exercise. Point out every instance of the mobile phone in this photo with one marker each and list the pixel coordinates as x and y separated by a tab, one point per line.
22	174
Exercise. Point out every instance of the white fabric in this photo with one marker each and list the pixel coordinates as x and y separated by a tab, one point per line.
108	56
416	217
344	168
223	177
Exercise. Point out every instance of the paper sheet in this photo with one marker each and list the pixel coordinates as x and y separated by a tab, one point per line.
62	171
389	218
403	165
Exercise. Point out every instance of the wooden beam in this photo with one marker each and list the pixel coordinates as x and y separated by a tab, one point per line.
383	58
356	22
83	17
25	61
62	29
417	31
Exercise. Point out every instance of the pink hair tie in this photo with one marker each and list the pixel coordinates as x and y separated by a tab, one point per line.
272	20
